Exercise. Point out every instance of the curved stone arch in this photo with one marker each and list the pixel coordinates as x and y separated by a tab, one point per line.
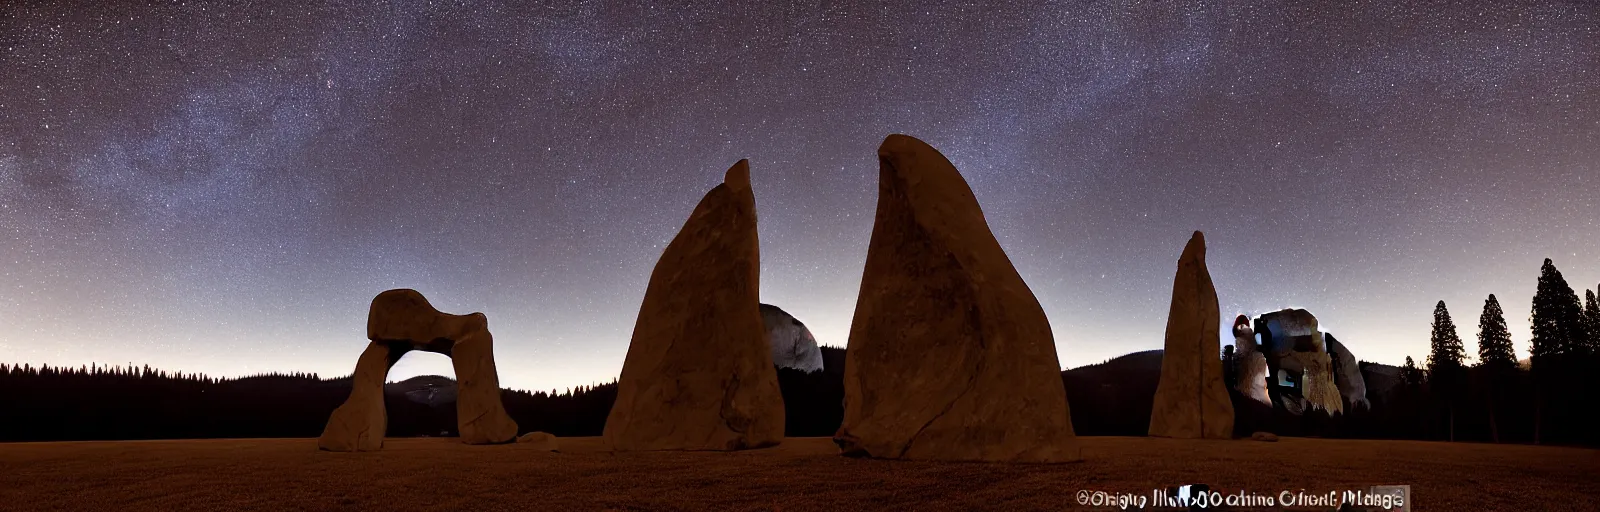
400	321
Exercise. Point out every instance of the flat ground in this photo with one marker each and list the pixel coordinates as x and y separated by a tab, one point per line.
801	474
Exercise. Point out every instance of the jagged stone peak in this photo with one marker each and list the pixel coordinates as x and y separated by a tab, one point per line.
738	176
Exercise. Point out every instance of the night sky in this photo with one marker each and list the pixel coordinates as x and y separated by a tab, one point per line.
223	187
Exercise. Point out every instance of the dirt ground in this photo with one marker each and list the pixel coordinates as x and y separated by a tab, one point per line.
801	474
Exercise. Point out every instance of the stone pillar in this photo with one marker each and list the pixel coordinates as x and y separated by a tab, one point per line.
950	355
480	414
699	373
1191	400
360	423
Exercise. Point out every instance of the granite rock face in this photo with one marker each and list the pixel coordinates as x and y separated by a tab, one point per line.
1253	369
1347	374
793	346
400	321
1292	330
1191	400
1296	346
950	355
699	372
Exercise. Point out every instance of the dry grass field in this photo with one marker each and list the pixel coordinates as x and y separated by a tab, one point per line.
802	474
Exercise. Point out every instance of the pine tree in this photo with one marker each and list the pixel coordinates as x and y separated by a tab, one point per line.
1591	323
1444	362
1409	374
1230	368
1557	329
1494	339
1495	355
1557	337
1447	352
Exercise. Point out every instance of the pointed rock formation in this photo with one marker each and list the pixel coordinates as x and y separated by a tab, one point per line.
1191	400
403	320
950	356
699	374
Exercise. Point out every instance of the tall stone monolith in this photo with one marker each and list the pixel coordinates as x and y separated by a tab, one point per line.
950	355
699	373
1191	400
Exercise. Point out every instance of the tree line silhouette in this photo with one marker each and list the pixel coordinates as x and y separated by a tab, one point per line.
100	402
1548	400
1495	399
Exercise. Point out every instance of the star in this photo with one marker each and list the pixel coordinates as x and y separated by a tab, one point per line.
184	185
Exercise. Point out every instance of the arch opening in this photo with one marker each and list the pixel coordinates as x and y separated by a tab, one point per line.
420	395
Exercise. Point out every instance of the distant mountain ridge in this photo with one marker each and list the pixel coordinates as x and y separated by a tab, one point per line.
1113	397
431	390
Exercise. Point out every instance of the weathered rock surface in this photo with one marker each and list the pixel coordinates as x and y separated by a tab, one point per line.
1298	348
1292	330
950	356
1191	400
403	320
1347	374
699	373
540	441
359	424
793	346
1252	364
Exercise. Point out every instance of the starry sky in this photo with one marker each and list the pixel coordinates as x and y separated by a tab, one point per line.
222	187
